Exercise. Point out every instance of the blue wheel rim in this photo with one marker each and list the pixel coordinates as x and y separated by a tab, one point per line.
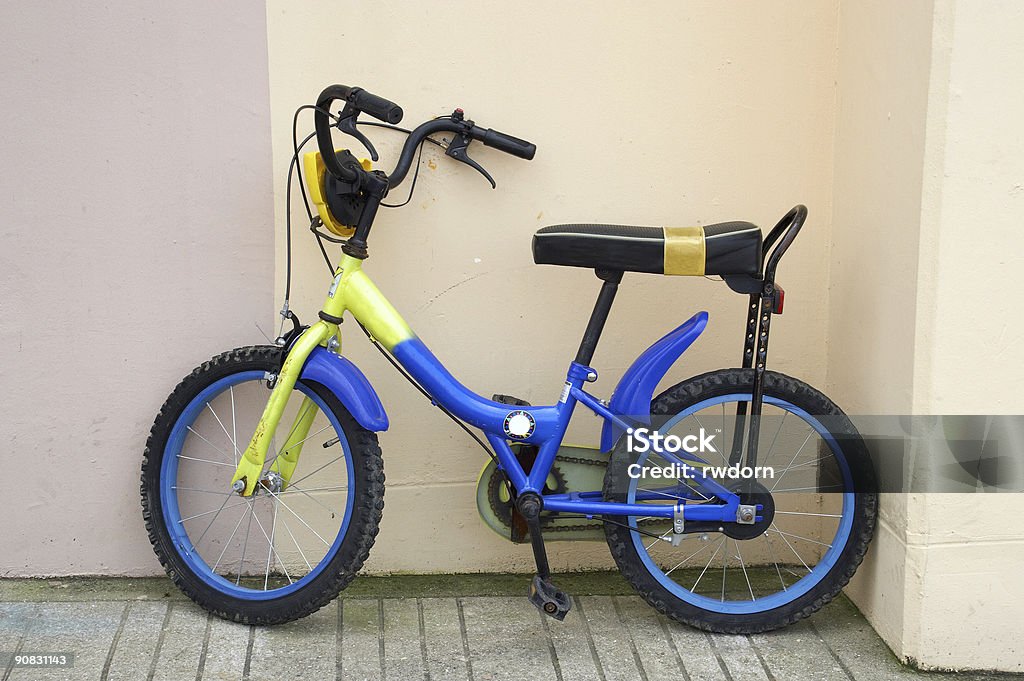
794	591
169	500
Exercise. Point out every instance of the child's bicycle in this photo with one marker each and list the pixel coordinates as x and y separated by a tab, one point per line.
739	500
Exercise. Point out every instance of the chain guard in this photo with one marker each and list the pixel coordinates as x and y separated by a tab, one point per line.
576	468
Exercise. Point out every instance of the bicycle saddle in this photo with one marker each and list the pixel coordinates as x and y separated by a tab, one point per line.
723	248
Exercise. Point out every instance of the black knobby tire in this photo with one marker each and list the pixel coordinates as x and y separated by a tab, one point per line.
739	381
367	486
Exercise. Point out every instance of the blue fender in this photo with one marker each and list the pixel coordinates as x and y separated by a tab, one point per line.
633	395
347	382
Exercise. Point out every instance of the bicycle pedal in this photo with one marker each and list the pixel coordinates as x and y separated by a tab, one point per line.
549	599
511	401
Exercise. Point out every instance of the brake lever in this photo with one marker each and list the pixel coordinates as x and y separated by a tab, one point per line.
457	150
347	124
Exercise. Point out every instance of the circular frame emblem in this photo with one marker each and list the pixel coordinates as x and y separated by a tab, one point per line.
519	424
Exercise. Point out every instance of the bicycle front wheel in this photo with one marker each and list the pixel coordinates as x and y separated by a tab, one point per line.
301	537
813	481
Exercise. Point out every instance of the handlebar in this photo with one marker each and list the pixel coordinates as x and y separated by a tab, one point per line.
358	100
507	143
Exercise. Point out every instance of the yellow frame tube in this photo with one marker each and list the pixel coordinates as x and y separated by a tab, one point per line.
289	457
250	467
353	291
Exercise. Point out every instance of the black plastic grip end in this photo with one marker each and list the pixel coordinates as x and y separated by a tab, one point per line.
509	144
378	107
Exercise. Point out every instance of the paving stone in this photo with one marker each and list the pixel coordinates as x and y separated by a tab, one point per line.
434	637
403	652
798	652
658	655
614	646
133	654
575	651
181	647
698	655
361	640
446	657
506	642
15	621
226	651
303	649
739	657
85	629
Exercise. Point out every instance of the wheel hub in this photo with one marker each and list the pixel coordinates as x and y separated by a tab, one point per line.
272	481
751	493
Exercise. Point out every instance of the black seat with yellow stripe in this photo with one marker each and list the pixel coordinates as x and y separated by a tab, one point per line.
726	248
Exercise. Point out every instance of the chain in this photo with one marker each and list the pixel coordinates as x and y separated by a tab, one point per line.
581	460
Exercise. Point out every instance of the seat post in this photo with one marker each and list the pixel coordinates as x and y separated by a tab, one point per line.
599	316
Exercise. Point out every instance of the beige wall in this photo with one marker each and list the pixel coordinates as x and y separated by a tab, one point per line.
137	241
679	114
928	198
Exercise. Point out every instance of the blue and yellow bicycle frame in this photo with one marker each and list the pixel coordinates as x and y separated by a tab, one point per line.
314	357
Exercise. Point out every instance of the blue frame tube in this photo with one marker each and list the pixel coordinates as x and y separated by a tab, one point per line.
550	423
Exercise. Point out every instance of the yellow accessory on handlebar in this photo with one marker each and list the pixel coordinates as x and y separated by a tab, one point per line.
315	171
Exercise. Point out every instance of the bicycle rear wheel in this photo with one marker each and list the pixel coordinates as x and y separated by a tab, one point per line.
817	488
291	547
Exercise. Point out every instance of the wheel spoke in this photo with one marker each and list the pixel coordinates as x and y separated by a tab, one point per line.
680	564
817	488
771	552
806	440
204	491
234	426
711	560
234	444
339	458
273	532
809	463
314	499
791	548
212	520
776	437
659	492
298	419
265	536
342	488
204	513
301	553
725	564
289	509
245	544
700	425
797	536
228	542
659	539
214	463
820	515
739	554
306	438
219	450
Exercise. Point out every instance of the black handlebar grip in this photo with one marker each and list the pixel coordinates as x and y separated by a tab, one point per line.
323	130
378	107
509	144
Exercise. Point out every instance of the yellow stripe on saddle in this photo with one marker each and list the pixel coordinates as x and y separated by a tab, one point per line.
684	250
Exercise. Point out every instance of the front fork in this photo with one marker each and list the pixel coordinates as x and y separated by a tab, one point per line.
250	466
